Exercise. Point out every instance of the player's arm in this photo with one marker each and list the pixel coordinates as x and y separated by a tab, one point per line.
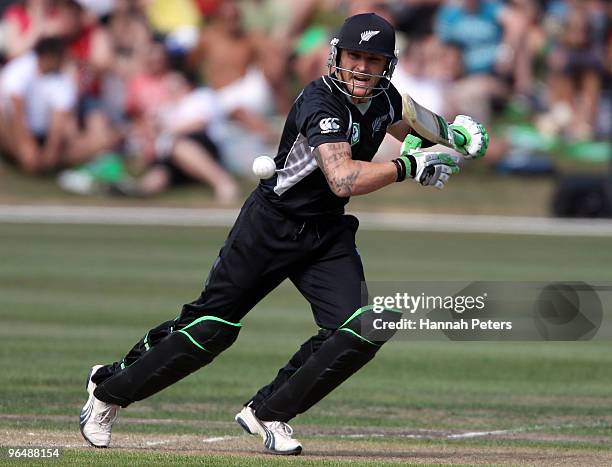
348	177
399	130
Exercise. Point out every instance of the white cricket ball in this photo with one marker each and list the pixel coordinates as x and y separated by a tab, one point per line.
264	167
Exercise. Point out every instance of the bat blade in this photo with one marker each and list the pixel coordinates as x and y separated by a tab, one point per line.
428	124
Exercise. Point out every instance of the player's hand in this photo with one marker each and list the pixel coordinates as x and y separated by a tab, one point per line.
427	168
475	134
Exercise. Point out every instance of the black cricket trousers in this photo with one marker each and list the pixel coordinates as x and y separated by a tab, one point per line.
265	247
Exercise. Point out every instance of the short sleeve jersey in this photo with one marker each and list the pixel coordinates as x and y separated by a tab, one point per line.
323	114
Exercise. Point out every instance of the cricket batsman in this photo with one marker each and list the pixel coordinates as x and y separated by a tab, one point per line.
293	226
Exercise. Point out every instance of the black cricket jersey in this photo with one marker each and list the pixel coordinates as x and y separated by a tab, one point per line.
323	114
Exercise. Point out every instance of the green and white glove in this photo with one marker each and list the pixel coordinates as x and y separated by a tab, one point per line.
475	134
426	168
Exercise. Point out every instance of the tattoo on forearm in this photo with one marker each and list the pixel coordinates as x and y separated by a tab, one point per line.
345	184
331	158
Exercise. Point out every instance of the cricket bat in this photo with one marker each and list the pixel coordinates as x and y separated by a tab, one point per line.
429	125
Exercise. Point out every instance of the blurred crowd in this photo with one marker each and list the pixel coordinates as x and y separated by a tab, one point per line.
193	90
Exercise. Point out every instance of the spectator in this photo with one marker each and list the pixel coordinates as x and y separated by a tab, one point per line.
427	69
415	18
152	87
310	54
461	56
170	122
91	59
240	67
36	102
487	31
327	14
270	17
177	21
172	17
89	42
488	34
25	23
418	72
381	8
575	72
130	37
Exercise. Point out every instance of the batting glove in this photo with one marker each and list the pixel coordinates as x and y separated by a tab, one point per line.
475	135
426	168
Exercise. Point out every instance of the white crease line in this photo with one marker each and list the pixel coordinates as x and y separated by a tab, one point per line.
156	443
383	435
218	439
476	434
470	434
466	435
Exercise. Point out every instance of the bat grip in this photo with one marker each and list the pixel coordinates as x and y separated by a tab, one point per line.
459	138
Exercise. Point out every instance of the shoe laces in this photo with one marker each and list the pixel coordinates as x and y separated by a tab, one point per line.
281	427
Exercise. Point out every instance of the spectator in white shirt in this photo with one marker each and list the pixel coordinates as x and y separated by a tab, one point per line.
36	100
38	125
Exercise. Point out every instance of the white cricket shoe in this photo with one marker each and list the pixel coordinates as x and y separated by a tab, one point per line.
276	435
97	417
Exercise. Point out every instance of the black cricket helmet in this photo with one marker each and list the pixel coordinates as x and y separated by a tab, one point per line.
365	32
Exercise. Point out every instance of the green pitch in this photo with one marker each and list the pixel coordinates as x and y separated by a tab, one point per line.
73	296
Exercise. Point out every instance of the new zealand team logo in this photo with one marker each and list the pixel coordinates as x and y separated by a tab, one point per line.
367	35
355	134
378	123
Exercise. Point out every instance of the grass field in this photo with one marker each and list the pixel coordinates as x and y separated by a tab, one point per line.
72	296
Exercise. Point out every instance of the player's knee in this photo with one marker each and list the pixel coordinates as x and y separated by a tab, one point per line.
177	355
371	327
211	334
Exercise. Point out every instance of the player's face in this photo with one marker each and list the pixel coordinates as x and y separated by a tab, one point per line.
358	70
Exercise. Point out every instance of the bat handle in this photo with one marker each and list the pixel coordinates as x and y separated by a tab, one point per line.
459	138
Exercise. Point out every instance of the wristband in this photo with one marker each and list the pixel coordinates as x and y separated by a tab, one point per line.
401	171
409	163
